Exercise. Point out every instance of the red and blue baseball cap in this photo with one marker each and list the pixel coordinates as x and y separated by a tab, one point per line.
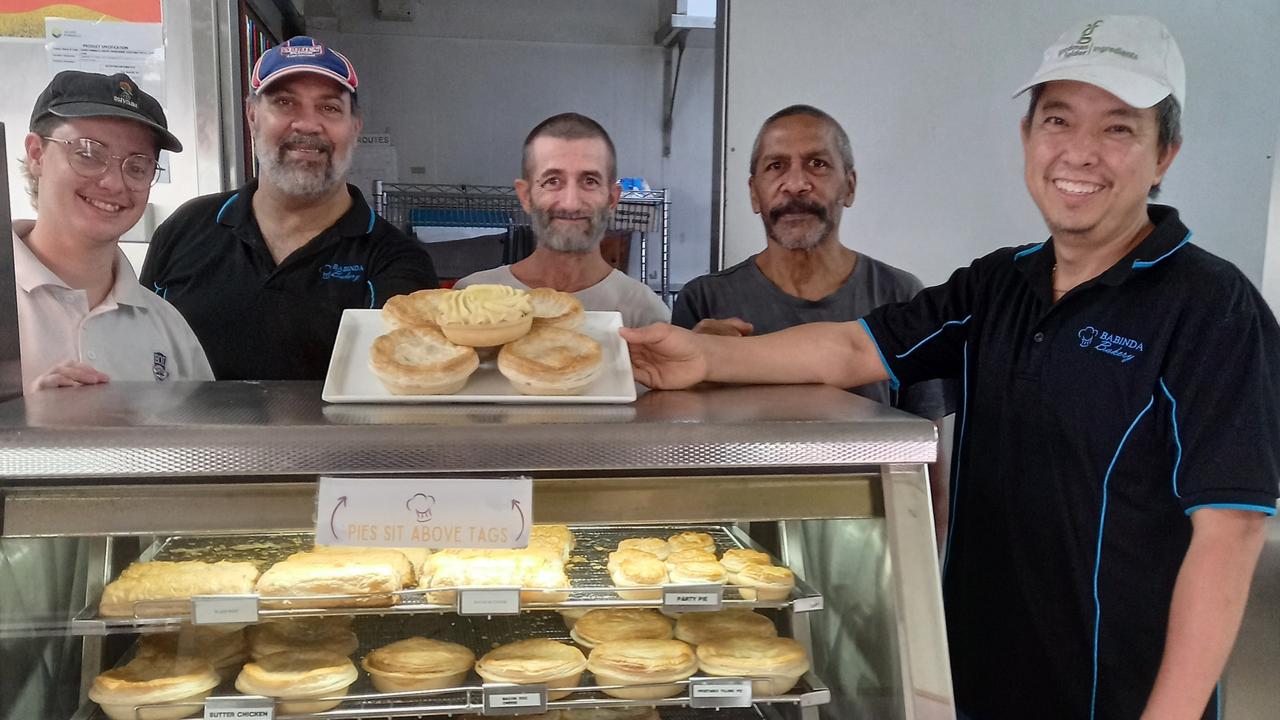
302	54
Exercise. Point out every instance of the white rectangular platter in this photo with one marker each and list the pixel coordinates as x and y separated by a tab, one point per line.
351	381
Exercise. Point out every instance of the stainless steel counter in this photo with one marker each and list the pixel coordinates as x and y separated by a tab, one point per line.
133	431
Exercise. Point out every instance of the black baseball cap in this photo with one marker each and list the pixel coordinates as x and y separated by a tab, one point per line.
75	94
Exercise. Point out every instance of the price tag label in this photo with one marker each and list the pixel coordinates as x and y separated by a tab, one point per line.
489	601
502	699
239	707
223	609
424	512
692	598
718	692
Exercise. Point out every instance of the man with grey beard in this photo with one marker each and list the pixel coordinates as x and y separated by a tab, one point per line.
802	178
568	185
263	274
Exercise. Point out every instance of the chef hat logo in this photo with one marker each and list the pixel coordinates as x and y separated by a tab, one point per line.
421	505
1086	335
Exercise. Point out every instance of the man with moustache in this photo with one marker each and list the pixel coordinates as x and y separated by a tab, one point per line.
802	177
569	187
263	273
1114	470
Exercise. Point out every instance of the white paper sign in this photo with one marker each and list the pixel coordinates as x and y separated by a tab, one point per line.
489	601
420	512
692	598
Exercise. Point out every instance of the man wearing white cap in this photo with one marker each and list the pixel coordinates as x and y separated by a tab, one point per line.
264	273
1113	466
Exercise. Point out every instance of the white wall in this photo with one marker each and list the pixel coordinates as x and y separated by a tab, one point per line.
923	90
188	29
1271	265
461	85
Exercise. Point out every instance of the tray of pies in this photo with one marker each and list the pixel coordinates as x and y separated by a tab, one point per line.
483	344
633	664
572	570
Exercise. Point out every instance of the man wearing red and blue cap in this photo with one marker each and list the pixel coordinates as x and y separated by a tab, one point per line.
264	273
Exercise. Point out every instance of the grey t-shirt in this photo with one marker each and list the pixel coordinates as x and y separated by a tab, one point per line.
638	304
744	292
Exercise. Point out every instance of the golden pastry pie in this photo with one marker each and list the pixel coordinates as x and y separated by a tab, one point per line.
552	308
698	572
688	556
151	680
551	361
697	628
775	664
647	570
692	541
303	633
605	625
737	558
559	533
299	679
617	556
418	663
485	315
421	361
765	582
528	662
571	616
654	546
417	309
369	579
146	582
225	649
642	662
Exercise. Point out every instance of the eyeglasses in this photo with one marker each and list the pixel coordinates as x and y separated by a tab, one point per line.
90	159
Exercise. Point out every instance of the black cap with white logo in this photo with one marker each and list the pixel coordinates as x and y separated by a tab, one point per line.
73	94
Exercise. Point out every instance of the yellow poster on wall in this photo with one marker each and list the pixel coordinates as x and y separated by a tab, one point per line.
25	18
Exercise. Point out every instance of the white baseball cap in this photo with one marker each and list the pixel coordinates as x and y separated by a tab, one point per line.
1133	57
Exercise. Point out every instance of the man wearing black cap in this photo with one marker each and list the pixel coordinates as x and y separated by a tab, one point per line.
90	164
264	273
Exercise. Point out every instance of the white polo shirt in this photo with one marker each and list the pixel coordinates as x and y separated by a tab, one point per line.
131	335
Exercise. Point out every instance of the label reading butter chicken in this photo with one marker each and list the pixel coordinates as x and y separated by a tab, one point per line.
424	512
239	707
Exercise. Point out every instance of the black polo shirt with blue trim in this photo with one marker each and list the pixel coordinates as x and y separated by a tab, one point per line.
261	321
1089	431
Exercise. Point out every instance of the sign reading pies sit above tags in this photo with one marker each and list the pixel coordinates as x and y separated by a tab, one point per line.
424	512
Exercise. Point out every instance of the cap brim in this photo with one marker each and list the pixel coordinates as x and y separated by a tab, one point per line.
1134	89
87	109
311	69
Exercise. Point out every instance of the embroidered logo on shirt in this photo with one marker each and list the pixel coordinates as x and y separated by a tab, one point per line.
349	273
160	366
1106	342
